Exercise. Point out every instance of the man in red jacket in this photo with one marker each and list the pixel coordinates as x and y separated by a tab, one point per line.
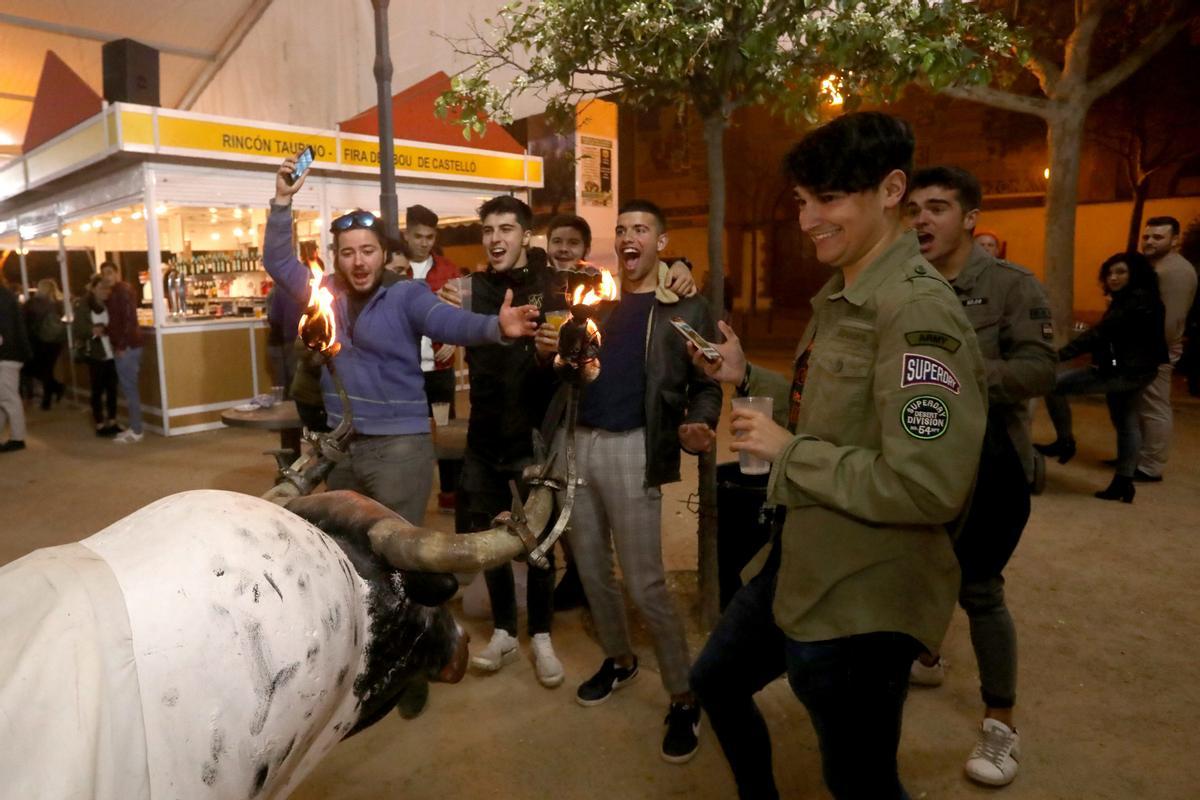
126	338
437	360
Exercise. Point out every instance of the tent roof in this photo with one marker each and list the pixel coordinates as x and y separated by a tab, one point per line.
413	117
189	36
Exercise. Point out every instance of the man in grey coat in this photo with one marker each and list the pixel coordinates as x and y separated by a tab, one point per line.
1177	287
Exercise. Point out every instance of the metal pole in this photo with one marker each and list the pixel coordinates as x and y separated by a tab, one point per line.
24	267
387	148
68	307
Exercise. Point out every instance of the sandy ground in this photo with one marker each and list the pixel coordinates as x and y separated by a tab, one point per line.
1107	622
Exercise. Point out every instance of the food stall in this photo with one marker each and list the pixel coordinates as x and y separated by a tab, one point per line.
180	199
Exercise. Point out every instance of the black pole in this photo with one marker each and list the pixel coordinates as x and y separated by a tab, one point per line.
387	146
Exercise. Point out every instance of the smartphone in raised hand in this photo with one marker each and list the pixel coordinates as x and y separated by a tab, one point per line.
703	345
303	162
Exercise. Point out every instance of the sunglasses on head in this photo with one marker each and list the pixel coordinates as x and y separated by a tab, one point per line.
355	219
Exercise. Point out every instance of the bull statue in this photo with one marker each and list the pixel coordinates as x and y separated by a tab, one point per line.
218	645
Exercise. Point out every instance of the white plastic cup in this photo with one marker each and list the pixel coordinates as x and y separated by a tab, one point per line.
441	413
463	285
277	394
747	463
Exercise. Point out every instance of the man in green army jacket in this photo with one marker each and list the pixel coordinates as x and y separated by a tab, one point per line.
874	448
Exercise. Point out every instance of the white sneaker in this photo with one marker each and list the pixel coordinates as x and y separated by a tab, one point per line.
501	650
127	436
922	675
547	666
994	760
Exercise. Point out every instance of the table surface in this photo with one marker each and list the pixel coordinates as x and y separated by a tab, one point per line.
278	417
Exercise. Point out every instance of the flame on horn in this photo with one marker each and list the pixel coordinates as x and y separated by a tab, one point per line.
608	291
318	328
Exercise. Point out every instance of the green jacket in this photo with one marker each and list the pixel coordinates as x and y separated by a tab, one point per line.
886	449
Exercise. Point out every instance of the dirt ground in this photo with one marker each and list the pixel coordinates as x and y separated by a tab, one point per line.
1105	610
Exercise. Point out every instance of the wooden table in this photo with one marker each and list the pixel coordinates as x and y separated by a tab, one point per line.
282	417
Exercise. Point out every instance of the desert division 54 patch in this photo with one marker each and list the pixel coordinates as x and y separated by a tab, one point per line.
925	417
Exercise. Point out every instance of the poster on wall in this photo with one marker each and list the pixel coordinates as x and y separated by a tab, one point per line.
596	170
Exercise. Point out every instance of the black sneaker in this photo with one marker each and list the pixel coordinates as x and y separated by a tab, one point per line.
683	731
596	689
12	445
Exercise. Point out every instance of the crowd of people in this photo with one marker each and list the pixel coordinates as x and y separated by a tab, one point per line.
900	442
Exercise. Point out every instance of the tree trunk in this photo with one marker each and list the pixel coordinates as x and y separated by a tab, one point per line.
709	588
1140	190
1065	137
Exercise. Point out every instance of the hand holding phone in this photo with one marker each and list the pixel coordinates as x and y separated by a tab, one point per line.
303	162
699	342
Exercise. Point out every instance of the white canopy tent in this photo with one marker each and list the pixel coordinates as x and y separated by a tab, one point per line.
296	62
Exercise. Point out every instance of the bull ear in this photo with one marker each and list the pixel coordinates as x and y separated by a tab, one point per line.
429	588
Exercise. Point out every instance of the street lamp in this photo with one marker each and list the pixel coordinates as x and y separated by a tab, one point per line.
389	210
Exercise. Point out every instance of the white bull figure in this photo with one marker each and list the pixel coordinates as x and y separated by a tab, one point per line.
216	645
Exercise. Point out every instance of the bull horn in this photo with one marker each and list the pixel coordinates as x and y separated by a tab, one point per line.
406	546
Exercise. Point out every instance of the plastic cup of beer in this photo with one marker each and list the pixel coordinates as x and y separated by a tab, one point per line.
557	319
277	394
441	413
463	285
747	463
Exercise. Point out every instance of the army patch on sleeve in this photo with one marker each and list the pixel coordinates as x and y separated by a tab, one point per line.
1048	331
925	417
933	339
919	370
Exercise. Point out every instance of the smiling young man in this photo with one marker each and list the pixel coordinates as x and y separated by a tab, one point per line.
647	403
874	448
510	391
1011	317
380	320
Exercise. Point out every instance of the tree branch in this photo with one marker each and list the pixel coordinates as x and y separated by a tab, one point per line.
998	98
1046	71
1133	62
1078	47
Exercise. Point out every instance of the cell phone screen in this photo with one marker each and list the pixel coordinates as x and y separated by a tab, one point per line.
688	332
303	162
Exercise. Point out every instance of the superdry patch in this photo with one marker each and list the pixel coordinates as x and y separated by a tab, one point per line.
925	417
975	301
1040	313
933	339
1047	331
919	370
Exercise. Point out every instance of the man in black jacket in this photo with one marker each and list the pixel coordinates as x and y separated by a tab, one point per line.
14	351
510	391
648	401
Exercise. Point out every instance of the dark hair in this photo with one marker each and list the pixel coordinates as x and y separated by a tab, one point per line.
852	153
110	264
966	185
507	204
356	220
1141	271
645	207
572	221
1171	221
420	215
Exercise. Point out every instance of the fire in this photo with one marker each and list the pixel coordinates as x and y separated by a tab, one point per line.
318	328
608	291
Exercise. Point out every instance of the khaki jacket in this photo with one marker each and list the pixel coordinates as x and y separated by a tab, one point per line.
1008	309
887	446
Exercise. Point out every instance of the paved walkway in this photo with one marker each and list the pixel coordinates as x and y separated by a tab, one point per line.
1103	593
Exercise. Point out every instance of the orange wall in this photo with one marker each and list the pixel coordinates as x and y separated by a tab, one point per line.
1100	231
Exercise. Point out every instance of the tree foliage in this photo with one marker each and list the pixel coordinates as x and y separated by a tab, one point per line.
718	55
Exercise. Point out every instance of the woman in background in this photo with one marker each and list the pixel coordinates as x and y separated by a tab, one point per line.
92	346
1127	345
47	334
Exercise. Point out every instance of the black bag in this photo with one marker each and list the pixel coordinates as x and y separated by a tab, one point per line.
51	329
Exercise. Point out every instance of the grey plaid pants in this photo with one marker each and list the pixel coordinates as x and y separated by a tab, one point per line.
614	509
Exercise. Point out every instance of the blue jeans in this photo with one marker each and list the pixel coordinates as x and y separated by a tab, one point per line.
129	364
1120	392
854	689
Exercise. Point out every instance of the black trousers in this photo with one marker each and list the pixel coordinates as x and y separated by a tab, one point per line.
104	389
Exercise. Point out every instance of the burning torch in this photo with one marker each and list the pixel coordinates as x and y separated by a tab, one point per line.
318	332
577	362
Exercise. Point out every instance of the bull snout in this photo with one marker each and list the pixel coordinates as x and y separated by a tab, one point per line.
456	667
